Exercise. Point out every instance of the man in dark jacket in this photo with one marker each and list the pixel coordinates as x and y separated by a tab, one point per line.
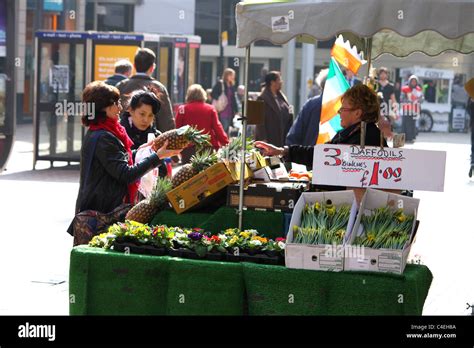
145	65
123	70
278	116
305	130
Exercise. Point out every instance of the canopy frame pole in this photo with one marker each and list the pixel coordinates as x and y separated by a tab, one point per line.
244	136
368	52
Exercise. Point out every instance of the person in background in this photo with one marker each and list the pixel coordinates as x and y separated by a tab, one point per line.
315	89
458	94
278	116
202	116
123	70
209	96
108	174
351	78
412	97
145	66
227	82
387	89
430	91
359	103
305	130
397	90
469	88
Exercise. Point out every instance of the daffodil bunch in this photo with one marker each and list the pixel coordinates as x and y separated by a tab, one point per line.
322	223
385	228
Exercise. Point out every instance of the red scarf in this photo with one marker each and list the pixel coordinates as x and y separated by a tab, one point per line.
113	126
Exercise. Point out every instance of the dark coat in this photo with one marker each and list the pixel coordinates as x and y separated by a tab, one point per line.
304	154
277	122
164	120
110	174
217	91
305	130
115	79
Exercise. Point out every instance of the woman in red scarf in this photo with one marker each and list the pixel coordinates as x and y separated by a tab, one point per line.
109	176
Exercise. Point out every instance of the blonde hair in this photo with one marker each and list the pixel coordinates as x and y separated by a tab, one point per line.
226	73
196	93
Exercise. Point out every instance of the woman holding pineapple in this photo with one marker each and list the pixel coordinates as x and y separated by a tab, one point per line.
359	103
108	175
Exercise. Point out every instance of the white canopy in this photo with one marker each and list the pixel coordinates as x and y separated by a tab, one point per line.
399	27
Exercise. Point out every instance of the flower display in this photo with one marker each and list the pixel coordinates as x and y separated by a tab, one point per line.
385	228
197	240
322	223
103	240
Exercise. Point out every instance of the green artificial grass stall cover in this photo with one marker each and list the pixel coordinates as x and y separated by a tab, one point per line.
274	290
113	283
198	287
267	223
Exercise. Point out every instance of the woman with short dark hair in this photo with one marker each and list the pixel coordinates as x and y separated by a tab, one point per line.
138	120
108	175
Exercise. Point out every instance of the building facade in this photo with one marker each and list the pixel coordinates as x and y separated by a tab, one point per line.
206	18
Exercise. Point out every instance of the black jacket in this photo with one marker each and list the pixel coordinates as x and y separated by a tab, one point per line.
110	174
115	79
217	91
350	136
164	120
277	122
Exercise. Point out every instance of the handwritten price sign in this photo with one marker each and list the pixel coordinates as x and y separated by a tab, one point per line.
402	169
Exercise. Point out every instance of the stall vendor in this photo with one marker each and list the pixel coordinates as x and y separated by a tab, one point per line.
359	103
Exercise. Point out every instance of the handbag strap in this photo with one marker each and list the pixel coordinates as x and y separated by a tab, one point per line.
223	87
94	139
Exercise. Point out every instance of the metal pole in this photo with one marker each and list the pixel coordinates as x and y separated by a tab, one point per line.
221	48
244	136
363	125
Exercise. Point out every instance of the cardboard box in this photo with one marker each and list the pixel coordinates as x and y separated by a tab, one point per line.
382	260
319	257
273	196
256	161
234	169
203	185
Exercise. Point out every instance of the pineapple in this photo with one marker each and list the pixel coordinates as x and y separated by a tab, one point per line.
145	210
180	138
232	151
199	162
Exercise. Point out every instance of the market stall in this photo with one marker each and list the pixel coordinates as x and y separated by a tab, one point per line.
238	260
